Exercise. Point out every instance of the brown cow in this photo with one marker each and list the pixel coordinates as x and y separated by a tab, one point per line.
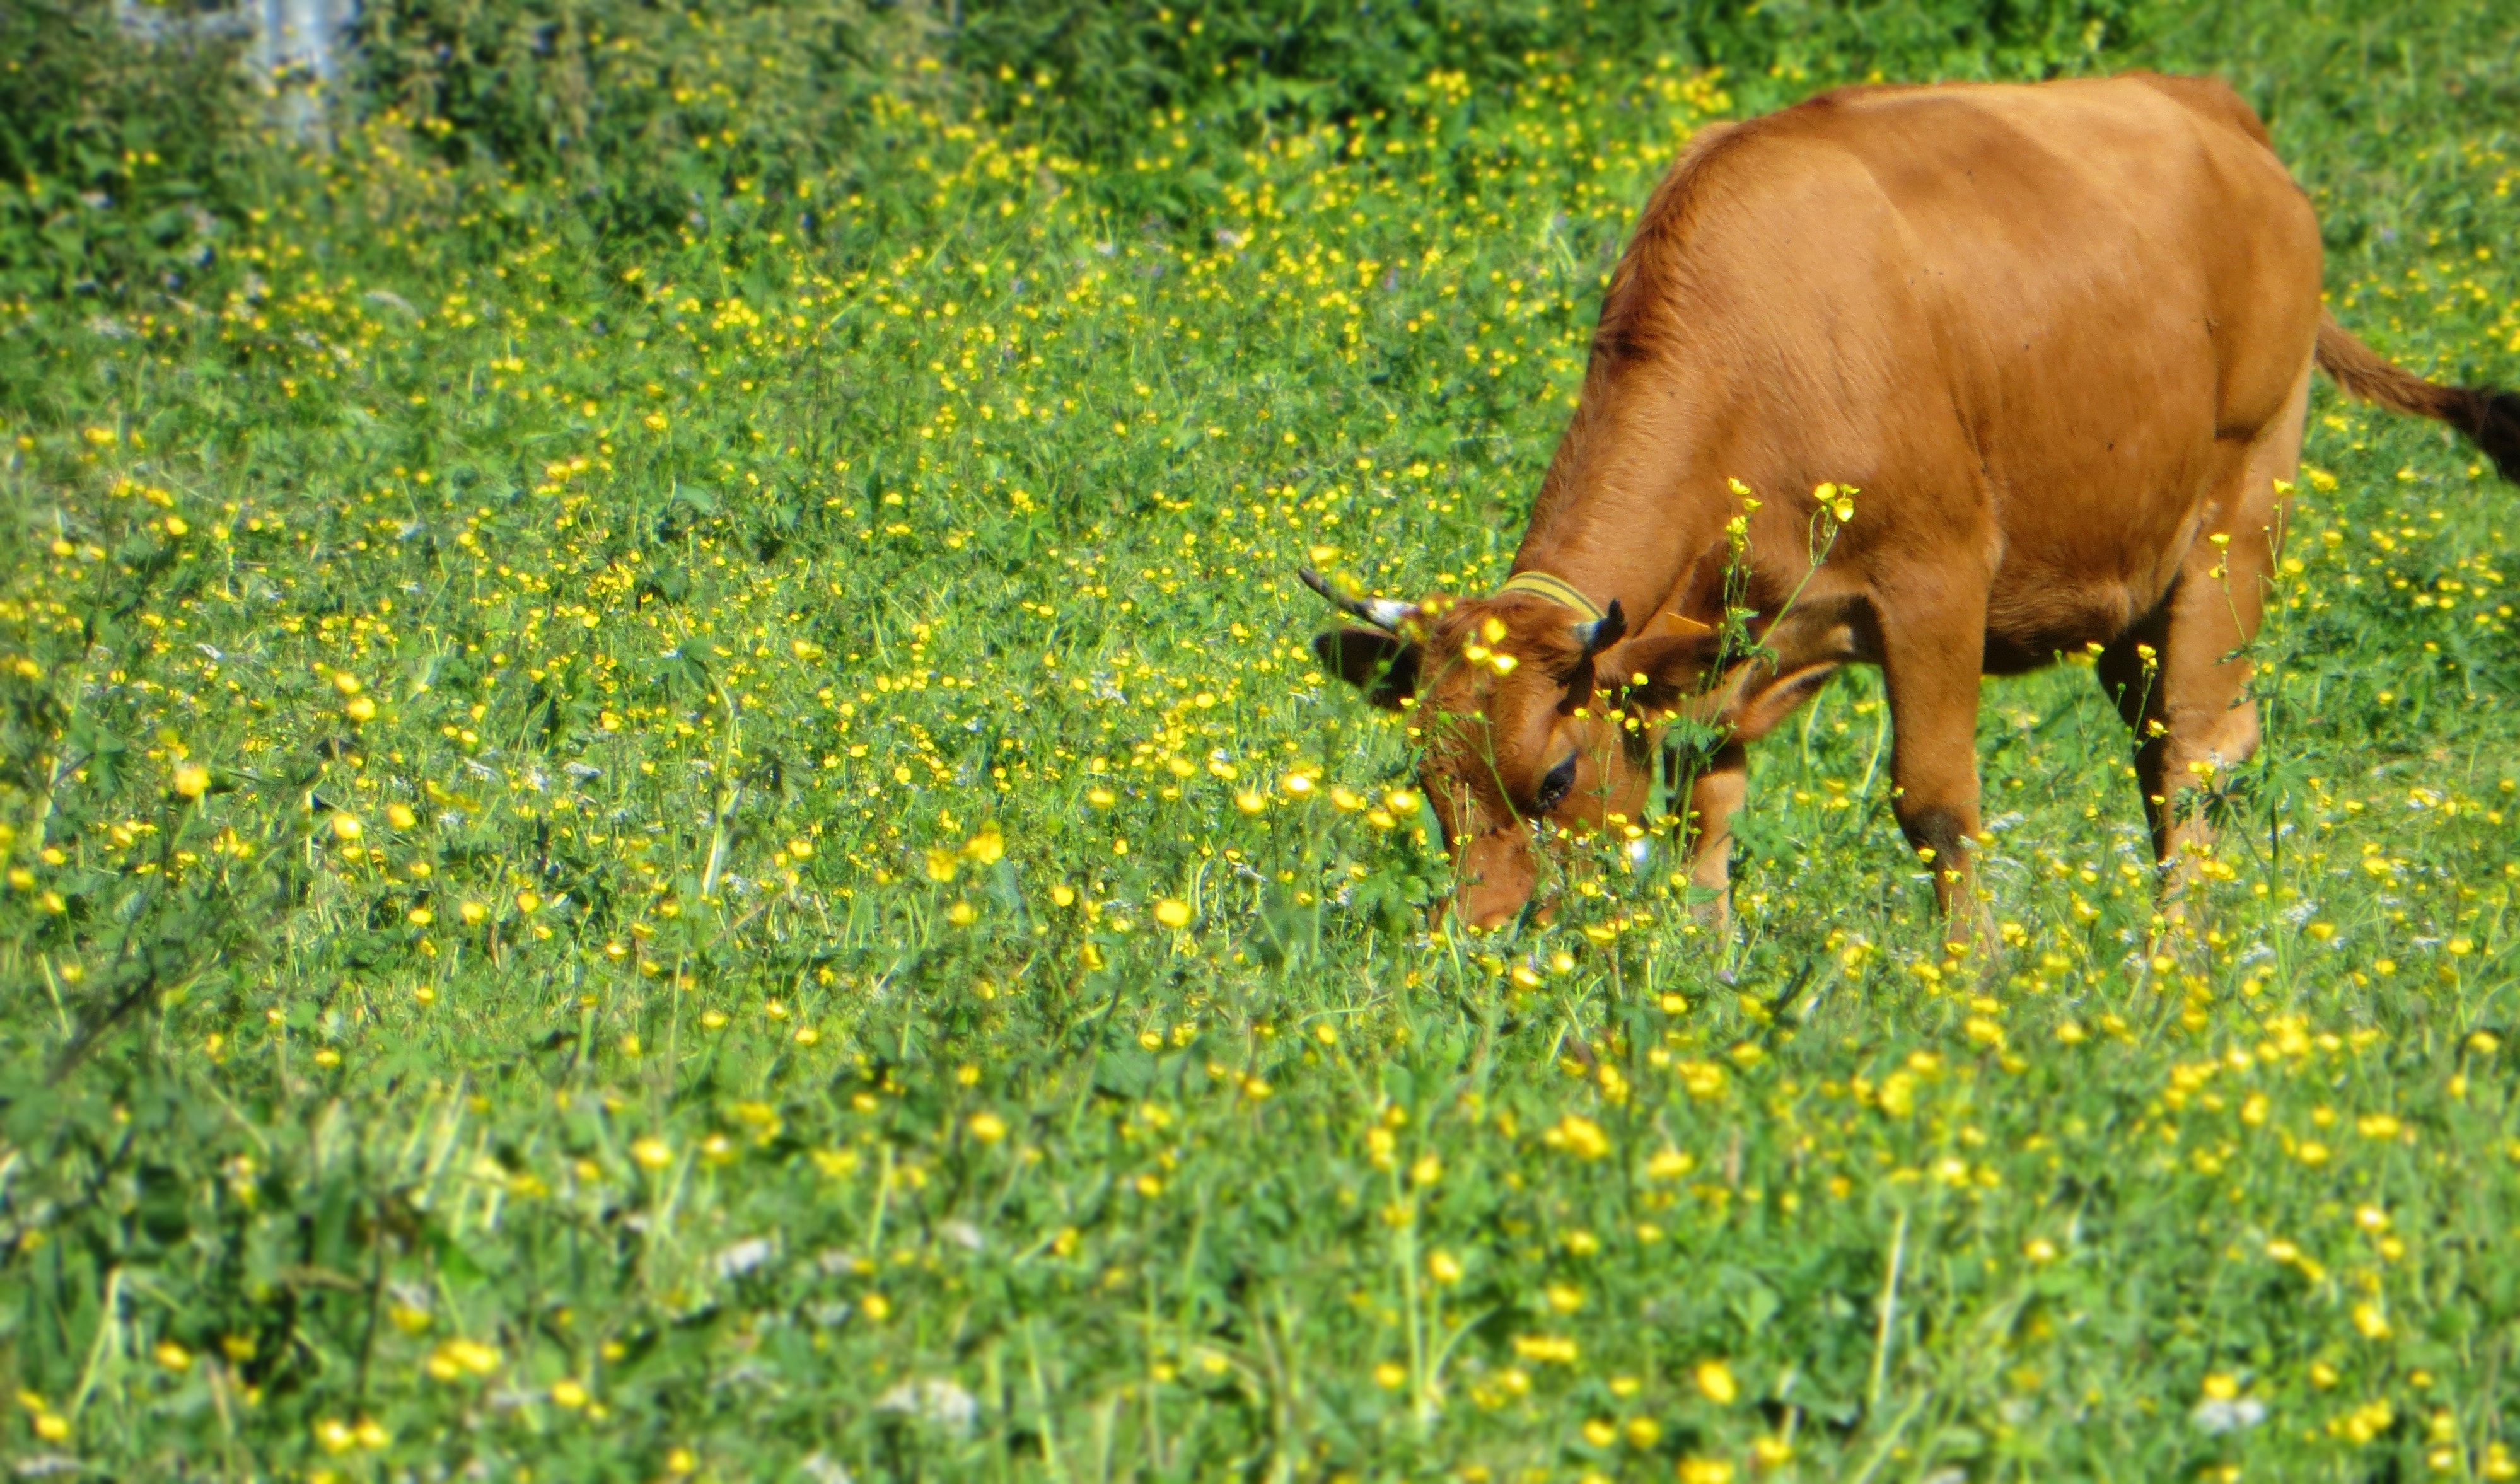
2059	337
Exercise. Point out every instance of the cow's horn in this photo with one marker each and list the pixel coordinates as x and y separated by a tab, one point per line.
1381	612
1601	633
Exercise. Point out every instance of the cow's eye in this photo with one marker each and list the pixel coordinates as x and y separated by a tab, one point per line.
1554	783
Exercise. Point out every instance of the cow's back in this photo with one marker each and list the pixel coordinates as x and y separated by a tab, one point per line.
2030	318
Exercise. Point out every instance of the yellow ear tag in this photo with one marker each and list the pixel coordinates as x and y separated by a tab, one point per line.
1668	622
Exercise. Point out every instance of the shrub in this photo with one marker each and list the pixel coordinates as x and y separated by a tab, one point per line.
1254	63
117	152
646	112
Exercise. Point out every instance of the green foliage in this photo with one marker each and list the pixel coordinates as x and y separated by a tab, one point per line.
685	852
632	107
118	156
1239	67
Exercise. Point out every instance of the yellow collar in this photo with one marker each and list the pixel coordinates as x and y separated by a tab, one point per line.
1557	590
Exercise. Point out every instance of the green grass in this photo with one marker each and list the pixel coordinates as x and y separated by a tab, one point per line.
716	1008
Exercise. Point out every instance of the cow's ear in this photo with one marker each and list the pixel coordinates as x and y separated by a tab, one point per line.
1384	667
1651	674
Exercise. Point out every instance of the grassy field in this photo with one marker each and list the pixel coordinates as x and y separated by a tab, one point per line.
730	862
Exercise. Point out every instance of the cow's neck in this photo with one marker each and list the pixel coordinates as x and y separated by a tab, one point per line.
1632	501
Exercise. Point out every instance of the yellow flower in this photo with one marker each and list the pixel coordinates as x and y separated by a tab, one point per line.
988	847
473	912
192	781
528	902
1172	912
1390	1375
568	1393
346	683
360	708
651	1153
1715	1381
1669	1164
346	827
656	421
962	913
1444	1268
986	1127
1545	1349
400	816
174	1357
1578	1136
941	865
1705	1471
1565	1298
470	1355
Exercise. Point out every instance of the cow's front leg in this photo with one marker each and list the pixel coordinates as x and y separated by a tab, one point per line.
1932	655
1715	794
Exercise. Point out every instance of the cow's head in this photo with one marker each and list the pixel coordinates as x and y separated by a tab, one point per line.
1527	710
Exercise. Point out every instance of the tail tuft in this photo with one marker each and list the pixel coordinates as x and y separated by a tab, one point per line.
2495	426
2489	416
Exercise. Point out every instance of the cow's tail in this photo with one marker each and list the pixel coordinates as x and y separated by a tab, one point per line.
2490	416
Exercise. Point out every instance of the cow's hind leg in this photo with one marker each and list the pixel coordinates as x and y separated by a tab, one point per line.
2177	675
